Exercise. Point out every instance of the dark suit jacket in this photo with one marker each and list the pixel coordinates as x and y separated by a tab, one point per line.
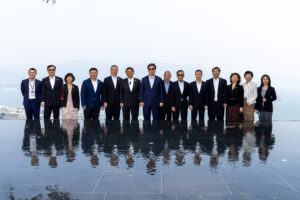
52	96
111	95
198	99
270	96
75	96
25	90
236	95
222	92
88	95
151	96
167	97
127	97
180	100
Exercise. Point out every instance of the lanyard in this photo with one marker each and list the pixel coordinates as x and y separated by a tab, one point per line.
32	86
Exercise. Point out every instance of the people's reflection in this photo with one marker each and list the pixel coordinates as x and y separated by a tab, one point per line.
264	139
71	129
182	132
249	142
91	140
53	141
233	140
32	140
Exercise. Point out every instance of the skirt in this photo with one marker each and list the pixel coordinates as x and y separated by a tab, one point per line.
248	112
233	113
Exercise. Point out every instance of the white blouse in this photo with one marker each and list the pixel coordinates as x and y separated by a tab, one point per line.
250	92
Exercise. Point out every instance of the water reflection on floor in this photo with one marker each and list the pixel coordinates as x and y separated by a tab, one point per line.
149	160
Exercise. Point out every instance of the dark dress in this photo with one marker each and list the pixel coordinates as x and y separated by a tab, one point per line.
235	102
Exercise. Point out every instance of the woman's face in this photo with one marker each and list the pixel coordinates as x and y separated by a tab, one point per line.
265	80
234	79
69	79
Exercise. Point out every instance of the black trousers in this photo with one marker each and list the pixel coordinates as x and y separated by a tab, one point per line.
216	110
198	111
182	111
49	109
134	113
92	114
113	111
32	109
165	113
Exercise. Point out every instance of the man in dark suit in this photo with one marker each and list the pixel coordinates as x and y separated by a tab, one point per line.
217	95
151	93
130	95
111	94
165	111
180	95
52	87
198	98
91	96
31	90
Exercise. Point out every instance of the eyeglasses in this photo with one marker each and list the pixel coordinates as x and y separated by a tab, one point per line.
180	75
51	70
151	69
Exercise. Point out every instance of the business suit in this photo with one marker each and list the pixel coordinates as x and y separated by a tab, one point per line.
130	99
180	100
151	96
216	108
32	106
265	108
75	96
51	97
165	111
198	100
111	95
91	99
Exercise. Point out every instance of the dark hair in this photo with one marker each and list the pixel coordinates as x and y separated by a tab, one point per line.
198	70
151	64
128	68
51	66
235	74
69	74
265	75
180	71
218	68
248	72
93	68
32	69
114	66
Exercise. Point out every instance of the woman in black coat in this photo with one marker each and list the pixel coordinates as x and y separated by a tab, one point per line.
265	97
70	98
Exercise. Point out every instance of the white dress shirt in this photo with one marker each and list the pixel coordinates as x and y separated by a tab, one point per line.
216	87
199	86
31	89
250	92
151	80
95	85
181	86
130	83
52	82
114	79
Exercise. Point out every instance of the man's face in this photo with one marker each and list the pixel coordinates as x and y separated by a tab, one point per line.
198	76
151	70
32	74
51	71
167	76
216	73
180	76
248	77
114	71
129	73
93	74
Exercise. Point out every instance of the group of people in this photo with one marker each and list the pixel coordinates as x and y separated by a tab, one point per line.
162	98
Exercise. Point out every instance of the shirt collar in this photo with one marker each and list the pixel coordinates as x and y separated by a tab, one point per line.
52	78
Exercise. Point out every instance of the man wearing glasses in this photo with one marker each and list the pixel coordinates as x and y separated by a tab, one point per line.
180	97
51	93
151	93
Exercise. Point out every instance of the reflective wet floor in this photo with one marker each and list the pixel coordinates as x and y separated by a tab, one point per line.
149	160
